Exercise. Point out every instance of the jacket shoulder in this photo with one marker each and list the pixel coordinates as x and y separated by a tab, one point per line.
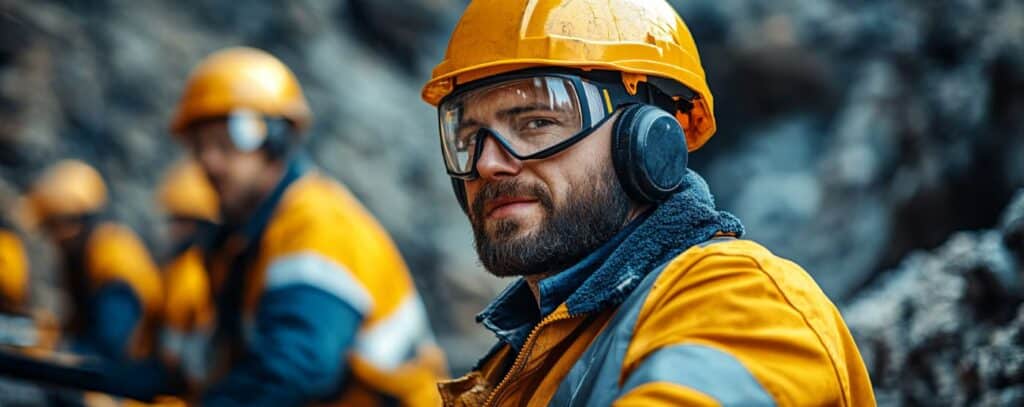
319	222
116	253
315	211
738	298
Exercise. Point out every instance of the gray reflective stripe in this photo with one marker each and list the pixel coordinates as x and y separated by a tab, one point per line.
192	350
594	379
313	269
704	369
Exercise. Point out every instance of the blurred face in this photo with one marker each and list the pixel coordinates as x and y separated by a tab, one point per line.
240	178
539	216
64	232
181	229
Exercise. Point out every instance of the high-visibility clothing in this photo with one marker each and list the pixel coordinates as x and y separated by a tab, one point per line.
188	314
314	303
663	316
13	272
116	293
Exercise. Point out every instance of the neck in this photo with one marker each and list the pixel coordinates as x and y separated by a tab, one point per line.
533	281
635	212
262	188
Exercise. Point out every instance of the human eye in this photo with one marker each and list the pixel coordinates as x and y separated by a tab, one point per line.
465	139
538	123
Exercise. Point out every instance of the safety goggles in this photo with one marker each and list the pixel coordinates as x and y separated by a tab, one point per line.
532	116
249	130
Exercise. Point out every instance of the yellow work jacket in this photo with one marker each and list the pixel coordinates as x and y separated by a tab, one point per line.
113	254
317	235
721	324
188	315
13	272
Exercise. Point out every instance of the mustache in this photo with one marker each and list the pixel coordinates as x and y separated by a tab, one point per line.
501	189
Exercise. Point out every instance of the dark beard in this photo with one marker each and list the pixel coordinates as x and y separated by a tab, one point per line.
595	212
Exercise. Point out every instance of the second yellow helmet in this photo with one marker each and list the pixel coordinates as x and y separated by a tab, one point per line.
241	78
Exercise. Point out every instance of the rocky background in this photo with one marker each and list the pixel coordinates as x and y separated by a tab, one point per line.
859	139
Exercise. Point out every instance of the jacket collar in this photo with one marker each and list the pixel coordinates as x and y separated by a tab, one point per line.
605	278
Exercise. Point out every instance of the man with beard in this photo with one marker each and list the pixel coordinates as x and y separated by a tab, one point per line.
565	126
312	301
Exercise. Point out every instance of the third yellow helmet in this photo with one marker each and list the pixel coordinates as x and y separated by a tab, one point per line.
185	192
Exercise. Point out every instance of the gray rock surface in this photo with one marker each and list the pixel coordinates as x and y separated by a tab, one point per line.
947	326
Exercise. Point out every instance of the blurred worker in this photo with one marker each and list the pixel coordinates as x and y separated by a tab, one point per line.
112	282
313	301
13	270
565	126
191	206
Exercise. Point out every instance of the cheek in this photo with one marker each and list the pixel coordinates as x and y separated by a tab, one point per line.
567	174
243	167
472	188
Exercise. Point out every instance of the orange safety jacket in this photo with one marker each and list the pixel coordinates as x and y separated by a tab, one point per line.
312	234
671	318
112	254
13	272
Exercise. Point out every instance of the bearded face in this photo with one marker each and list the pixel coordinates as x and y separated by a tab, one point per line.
592	212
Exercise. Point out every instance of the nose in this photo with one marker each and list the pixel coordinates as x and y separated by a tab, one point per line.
495	162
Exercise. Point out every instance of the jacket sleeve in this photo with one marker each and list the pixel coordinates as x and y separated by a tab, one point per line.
727	329
118	312
296	350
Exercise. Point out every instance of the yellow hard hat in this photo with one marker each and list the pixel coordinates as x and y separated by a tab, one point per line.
68	188
241	79
186	192
635	37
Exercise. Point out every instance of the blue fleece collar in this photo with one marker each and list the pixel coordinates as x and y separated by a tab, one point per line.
605	278
687	219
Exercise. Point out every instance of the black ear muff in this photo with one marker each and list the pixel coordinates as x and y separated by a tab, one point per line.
459	186
649	153
279	137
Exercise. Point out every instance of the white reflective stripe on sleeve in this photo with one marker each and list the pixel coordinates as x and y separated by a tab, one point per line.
315	270
192	349
393	340
173	342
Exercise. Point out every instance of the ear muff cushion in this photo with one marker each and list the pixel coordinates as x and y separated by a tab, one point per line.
280	138
650	153
622	141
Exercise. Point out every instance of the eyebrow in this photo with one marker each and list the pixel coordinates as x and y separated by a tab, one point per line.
512	111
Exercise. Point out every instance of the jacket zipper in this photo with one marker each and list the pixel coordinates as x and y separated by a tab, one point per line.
523	355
